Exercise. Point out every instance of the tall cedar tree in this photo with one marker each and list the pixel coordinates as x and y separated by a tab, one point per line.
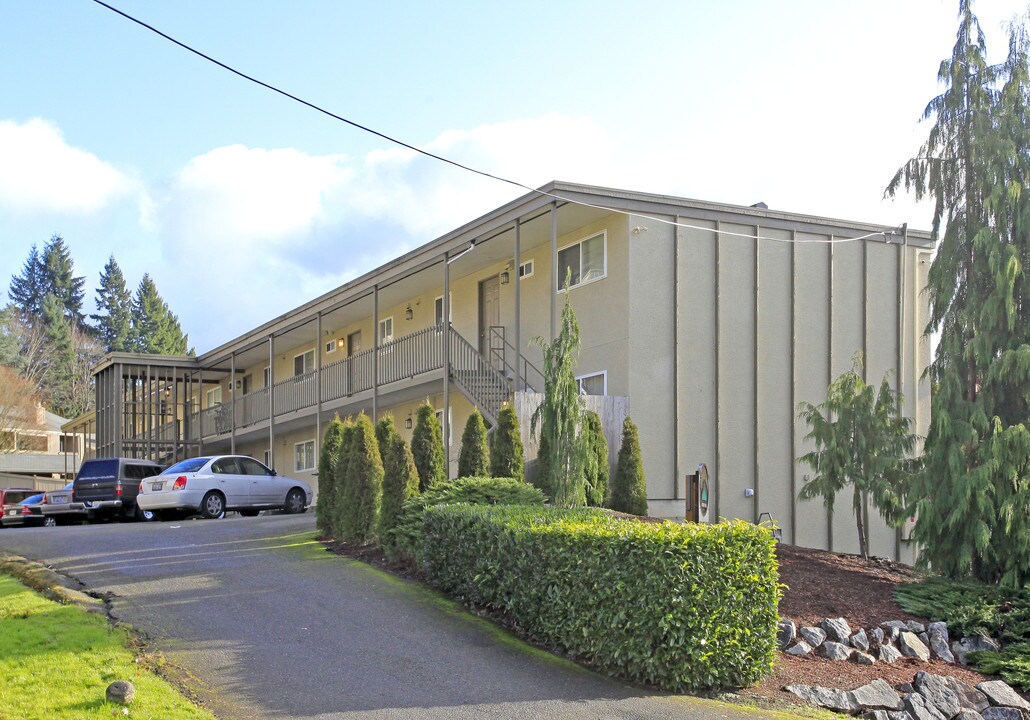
327	461
860	440
629	489
427	448
596	472
970	499
400	477
560	415
114	305
60	365
155	330
362	494
474	457
507	458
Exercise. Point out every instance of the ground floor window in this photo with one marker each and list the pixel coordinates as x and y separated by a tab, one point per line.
593	384
304	456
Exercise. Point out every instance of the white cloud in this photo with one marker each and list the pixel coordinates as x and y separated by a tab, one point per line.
40	172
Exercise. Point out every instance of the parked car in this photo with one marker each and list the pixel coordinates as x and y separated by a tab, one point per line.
48	508
13	496
212	485
107	487
12	506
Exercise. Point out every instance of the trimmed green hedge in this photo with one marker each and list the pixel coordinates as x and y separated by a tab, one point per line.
680	607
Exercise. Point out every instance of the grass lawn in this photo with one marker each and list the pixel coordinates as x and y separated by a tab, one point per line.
57	660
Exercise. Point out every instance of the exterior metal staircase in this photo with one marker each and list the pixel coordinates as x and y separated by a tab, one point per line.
476	379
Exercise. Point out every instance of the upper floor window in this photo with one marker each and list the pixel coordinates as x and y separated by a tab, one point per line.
587	260
214	396
386	330
439	310
526	269
303	363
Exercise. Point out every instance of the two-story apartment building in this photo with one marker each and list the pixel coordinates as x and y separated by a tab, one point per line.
714	321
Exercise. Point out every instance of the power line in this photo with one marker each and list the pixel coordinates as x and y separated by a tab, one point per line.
454	163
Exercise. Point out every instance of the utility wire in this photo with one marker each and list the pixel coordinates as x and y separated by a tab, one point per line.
441	158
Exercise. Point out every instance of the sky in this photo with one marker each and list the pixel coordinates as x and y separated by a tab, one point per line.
242	204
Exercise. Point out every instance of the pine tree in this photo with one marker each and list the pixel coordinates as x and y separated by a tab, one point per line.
155	330
474	456
629	489
362	495
26	291
60	363
60	281
507	457
327	490
970	499
400	477
114	305
596	471
427	448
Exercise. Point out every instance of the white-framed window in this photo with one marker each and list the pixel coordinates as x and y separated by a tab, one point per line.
303	363
304	456
267	375
386	330
526	269
587	259
438	312
214	396
450	417
330	346
593	384
268	459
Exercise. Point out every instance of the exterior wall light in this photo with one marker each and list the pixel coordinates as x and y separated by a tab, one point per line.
408	313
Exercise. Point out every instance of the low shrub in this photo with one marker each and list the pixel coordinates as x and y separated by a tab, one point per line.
680	607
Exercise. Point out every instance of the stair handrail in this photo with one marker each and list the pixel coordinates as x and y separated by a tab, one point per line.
499	332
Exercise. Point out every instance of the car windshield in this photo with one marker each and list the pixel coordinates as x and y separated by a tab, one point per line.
187	466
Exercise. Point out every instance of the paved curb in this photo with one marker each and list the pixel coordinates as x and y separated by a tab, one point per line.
51	584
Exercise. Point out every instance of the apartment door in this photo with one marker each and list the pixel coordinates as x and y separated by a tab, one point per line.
354	343
489	311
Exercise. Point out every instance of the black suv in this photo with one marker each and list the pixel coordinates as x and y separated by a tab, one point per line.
108	486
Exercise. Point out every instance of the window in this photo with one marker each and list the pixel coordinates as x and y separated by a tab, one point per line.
268	458
250	466
450	417
386	330
439	310
526	269
330	346
303	363
304	456
214	396
267	376
593	384
587	260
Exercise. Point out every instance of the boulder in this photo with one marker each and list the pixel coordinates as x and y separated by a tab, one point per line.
938	629
895	625
1002	713
969	697
862	658
813	636
915	627
122	692
837	629
1000	693
885	715
860	641
889	654
799	649
939	647
786	632
836	651
824	697
938	693
877	695
968	715
924	638
917	706
876	635
911	646
973	642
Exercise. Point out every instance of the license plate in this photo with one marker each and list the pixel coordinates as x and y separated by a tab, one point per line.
157	486
12	512
60	499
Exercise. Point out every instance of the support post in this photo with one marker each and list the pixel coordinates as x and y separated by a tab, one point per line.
518	304
319	345
271	401
375	353
446	365
554	268
232	402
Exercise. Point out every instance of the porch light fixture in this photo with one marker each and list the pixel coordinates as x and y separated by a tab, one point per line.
505	277
407	423
408	313
340	343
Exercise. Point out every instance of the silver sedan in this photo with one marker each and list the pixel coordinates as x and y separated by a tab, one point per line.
212	485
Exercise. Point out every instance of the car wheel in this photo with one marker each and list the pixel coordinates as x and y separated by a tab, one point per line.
295	501
212	506
249	513
49	522
143	515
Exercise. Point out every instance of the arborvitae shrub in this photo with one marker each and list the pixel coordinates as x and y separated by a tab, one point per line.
629	491
506	452
327	490
596	470
542	475
427	448
400	477
363	492
474	457
342	475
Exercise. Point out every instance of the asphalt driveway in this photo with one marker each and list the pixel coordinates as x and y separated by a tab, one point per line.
269	625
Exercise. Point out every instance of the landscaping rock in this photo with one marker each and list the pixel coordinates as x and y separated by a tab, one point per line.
863	658
860	640
1000	693
786	632
924	638
876	635
968	696
889	654
906	688
877	695
813	636
938	693
122	692
973	642
911	646
824	697
917	706
836	650
799	649
895	625
968	715
1002	713
938	629
939	643
837	629
915	627
886	715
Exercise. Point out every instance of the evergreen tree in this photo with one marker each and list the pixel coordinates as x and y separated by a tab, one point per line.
60	363
400	477
474	456
327	461
114	306
343	477
155	330
427	448
596	471
560	415
362	494
27	290
970	499
861	440
507	457
60	281
629	490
